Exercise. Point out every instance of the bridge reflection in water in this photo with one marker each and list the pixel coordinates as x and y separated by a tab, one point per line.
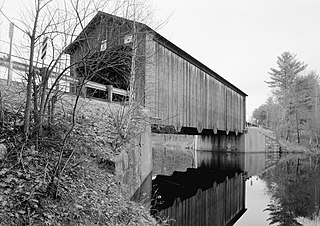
200	197
213	194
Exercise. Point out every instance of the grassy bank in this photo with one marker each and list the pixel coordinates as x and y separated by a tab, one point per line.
85	192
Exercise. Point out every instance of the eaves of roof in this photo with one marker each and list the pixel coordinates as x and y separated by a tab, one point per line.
172	47
158	38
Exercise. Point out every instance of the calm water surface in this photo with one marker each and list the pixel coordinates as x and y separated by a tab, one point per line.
287	193
278	190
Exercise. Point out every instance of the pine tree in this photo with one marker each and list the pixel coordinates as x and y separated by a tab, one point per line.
282	79
283	82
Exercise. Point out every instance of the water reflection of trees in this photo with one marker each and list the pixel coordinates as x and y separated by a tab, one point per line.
294	188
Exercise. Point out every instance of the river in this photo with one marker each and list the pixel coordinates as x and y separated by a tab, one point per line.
241	189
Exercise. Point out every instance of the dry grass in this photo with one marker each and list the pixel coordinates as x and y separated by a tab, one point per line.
88	191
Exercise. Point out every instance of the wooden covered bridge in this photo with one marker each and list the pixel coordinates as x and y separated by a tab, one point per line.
178	90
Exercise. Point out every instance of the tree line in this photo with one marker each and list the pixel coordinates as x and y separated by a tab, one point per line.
293	109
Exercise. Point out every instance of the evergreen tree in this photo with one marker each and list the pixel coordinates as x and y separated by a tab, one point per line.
283	83
282	79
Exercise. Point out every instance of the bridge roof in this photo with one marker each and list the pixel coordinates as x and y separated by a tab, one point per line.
156	37
163	41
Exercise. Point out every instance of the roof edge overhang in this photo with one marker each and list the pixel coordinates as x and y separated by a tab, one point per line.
169	45
161	40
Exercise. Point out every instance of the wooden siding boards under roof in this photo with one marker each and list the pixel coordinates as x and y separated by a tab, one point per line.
169	45
156	37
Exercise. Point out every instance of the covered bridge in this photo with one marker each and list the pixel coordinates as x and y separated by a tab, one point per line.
178	90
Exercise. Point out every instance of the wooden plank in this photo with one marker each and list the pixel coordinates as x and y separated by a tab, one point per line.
157	83
220	106
165	88
177	92
162	85
193	97
215	105
215	118
241	114
224	107
207	123
203	103
229	109
232	109
184	93
220	110
235	121
191	84
223	104
236	112
186	99
171	84
196	98
205	99
198	101
174	91
179	87
188	91
233	104
209	102
170	88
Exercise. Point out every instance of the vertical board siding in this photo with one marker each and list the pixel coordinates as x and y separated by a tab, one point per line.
216	103
150	91
217	205
186	96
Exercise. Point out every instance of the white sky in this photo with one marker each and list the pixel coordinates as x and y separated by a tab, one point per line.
240	40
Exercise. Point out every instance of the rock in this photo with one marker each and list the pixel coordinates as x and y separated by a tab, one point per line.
3	151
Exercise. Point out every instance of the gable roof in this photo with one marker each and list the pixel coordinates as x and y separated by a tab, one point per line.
157	38
95	21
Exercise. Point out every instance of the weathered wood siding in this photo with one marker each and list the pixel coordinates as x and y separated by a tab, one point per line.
219	205
181	94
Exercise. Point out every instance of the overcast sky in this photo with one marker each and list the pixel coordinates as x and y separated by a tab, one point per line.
240	40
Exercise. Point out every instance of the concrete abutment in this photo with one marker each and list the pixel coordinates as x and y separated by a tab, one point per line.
153	154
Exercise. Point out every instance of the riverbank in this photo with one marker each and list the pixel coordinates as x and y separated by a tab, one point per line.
86	190
287	146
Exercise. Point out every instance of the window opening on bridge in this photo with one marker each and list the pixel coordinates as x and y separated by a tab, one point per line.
110	67
96	93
